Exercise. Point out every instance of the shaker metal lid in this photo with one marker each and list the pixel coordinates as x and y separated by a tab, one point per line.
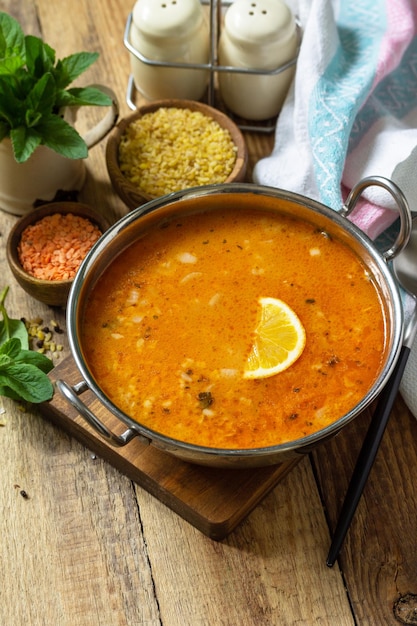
264	21
167	18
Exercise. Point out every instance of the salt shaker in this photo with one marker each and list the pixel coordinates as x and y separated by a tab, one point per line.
173	31
257	34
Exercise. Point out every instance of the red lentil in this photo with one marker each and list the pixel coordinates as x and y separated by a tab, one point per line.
54	247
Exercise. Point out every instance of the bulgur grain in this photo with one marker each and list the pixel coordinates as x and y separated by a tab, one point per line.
172	149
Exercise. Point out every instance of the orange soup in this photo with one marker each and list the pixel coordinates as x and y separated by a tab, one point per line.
169	325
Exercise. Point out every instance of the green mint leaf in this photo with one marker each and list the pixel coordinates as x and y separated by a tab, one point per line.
27	381
11	328
10	349
12	43
18	331
24	142
9	105
4	359
9	393
41	99
68	69
23	373
32	118
11	65
35	358
40	57
58	135
82	96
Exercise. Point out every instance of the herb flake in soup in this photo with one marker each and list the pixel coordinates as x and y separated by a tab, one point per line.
168	327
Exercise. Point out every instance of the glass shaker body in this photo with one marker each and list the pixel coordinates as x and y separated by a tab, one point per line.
262	35
173	31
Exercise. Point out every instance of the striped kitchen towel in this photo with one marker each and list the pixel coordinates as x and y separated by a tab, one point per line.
352	108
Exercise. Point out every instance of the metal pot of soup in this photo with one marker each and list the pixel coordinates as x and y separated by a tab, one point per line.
168	323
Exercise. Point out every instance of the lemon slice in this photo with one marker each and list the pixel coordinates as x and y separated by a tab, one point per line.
279	340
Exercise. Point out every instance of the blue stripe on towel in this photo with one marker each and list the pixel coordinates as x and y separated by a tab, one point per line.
396	95
341	91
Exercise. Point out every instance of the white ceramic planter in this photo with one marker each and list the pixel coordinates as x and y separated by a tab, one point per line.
46	172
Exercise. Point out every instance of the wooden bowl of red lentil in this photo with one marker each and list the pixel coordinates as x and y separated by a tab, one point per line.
171	145
46	246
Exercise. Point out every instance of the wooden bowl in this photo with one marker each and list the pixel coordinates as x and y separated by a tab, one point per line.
131	195
51	292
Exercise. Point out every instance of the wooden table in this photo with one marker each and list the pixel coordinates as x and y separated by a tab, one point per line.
83	544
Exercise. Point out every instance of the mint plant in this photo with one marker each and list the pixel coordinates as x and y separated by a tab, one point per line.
34	90
23	372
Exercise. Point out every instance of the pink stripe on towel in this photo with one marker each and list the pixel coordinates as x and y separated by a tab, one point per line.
370	218
401	27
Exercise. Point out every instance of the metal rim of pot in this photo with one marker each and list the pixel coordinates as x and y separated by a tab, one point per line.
255	456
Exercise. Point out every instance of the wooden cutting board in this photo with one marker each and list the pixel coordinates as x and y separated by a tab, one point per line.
213	500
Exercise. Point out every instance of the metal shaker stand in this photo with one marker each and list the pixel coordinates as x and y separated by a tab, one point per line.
213	67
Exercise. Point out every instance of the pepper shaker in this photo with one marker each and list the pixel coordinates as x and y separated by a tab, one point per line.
261	35
169	31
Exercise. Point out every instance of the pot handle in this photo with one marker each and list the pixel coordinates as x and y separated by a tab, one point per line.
71	395
402	204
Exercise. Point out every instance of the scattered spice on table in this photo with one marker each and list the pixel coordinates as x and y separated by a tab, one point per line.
42	337
54	247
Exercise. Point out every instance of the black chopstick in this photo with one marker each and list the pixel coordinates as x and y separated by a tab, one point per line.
367	455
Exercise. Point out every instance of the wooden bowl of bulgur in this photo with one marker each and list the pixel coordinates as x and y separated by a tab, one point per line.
46	246
171	145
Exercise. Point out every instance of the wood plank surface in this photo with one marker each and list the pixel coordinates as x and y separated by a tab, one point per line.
379	560
86	545
214	500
